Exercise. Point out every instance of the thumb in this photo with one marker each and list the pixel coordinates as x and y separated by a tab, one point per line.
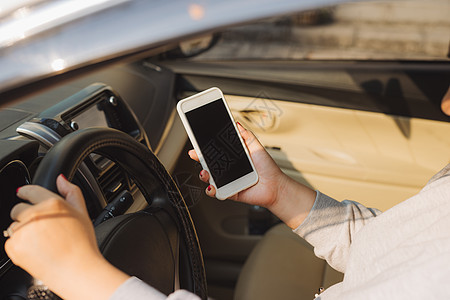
445	104
252	143
71	193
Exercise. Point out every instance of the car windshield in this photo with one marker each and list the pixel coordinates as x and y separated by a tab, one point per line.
378	30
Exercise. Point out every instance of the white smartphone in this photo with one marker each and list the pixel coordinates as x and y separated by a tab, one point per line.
216	139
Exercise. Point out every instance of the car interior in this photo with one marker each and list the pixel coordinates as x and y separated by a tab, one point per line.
364	129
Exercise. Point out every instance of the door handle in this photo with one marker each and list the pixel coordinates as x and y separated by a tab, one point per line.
264	120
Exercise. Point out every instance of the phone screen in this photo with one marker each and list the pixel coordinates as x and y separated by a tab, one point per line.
219	142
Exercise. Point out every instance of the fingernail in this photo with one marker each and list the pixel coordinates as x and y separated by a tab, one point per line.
209	188
239	124
202	173
17	191
62	175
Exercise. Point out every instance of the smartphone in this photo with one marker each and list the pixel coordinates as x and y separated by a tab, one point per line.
216	139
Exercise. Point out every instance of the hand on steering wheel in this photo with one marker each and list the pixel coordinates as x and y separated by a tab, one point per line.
158	244
53	239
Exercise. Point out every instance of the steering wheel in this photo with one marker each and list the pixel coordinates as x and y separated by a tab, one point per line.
159	244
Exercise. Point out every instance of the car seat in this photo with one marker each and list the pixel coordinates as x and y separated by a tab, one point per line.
283	266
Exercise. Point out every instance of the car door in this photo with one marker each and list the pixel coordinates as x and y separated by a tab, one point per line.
343	104
376	139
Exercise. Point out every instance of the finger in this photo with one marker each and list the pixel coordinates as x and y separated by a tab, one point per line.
210	191
18	211
445	104
204	176
35	194
193	155
249	138
10	230
24	212
9	246
71	193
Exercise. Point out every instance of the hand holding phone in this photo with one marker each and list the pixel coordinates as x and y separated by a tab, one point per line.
219	146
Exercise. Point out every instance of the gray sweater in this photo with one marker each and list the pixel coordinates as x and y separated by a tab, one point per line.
403	253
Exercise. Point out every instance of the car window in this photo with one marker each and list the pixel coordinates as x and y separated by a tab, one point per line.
377	30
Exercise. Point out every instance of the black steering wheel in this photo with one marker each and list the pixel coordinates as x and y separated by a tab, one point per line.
159	244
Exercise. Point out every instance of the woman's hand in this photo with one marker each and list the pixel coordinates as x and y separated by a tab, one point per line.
286	198
53	239
263	193
50	226
445	104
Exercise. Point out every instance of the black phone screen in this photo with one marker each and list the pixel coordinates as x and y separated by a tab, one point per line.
219	142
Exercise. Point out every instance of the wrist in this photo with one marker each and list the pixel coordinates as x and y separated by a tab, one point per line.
293	201
97	277
280	197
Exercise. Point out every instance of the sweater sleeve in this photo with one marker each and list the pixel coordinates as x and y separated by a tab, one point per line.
331	226
136	289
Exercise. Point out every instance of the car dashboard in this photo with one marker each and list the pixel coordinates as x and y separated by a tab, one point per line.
109	191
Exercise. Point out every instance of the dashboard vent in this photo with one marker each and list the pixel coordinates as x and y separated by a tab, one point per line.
113	181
